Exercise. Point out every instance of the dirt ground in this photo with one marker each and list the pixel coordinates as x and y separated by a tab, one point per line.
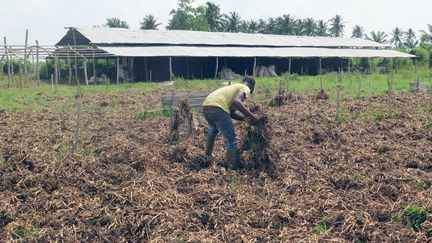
345	182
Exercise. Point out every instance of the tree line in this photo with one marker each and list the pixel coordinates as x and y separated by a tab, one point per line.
208	17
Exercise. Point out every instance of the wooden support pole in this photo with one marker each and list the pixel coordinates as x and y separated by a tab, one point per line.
118	71
85	71
52	80
75	55
20	77
56	70
132	69
170	69
217	68
37	64
146	69
11	66
349	65
289	65
94	66
8	63
25	58
254	72
70	68
187	68
320	73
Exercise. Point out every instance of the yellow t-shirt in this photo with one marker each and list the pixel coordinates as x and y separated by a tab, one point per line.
224	97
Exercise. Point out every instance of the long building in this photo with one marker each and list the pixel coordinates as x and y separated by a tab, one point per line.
161	55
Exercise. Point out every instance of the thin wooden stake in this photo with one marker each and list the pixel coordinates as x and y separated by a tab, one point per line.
52	80
337	103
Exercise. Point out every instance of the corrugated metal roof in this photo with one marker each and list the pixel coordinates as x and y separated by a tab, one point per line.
191	51
100	35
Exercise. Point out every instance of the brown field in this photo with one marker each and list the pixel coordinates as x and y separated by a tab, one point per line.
332	182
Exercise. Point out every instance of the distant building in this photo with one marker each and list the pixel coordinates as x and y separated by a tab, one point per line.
162	55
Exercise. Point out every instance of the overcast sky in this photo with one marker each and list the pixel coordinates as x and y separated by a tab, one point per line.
46	19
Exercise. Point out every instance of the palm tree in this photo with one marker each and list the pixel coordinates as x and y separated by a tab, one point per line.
286	25
309	27
116	23
321	28
397	35
213	16
427	35
252	26
337	26
379	36
149	23
299	27
358	32
233	22
261	27
410	39
271	27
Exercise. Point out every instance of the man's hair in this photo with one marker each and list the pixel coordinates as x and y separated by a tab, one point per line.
250	80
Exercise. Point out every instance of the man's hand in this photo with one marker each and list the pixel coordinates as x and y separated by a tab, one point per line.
254	119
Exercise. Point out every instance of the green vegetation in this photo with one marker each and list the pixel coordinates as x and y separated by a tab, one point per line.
320	228
42	97
24	232
233	184
380	114
415	216
156	113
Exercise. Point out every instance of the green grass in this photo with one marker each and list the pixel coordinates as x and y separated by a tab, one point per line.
320	228
41	97
21	232
415	216
156	113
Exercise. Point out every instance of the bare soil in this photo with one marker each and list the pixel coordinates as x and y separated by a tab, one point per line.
127	182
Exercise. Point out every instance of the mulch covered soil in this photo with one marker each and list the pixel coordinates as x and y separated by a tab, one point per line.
341	182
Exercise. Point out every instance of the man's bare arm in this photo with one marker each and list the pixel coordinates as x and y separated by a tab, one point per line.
238	104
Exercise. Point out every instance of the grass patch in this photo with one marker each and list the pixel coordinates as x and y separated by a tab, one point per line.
233	184
320	228
155	113
415	216
42	97
379	114
24	232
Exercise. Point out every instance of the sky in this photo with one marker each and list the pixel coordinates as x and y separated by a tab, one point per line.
46	19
